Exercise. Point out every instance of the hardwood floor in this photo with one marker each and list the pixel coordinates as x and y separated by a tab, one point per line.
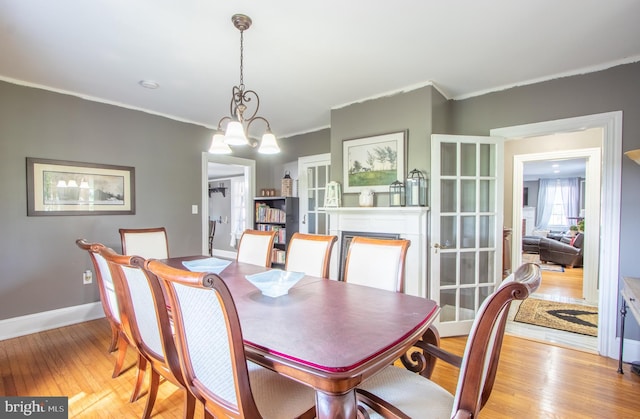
534	380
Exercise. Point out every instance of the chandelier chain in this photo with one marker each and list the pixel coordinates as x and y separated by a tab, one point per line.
241	59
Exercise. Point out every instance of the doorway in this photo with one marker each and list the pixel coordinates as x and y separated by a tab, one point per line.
608	270
560	283
218	167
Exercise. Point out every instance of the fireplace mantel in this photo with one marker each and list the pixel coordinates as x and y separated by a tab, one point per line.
409	222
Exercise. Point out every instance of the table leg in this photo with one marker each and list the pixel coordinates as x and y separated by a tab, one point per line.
623	315
336	406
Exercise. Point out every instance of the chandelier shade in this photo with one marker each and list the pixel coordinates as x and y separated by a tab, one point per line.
236	125
218	146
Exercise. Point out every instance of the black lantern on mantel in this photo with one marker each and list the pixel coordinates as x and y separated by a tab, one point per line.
416	189
396	194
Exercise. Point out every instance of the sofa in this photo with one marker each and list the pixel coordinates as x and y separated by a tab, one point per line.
567	251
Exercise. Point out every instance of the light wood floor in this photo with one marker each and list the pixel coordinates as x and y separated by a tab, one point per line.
534	380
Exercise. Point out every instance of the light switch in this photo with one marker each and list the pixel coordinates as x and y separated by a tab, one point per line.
194	209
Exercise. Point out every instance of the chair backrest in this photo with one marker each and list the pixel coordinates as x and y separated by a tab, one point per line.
310	253
255	247
376	263
143	310
108	296
209	340
149	243
482	352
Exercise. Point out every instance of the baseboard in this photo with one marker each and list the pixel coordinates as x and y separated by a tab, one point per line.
38	322
631	351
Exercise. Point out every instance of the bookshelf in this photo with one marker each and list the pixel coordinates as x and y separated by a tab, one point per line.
278	213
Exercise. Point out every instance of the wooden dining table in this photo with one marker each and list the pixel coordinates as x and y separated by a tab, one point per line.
327	334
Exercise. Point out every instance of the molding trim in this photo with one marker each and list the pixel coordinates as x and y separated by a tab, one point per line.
39	322
609	272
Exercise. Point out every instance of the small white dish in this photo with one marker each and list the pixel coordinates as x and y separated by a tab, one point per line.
213	265
275	282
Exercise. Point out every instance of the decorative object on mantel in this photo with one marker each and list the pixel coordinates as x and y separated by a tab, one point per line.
397	194
220	189
238	124
366	198
287	184
416	189
333	195
267	192
373	162
634	155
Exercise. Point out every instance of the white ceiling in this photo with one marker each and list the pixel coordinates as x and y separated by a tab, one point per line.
304	58
557	168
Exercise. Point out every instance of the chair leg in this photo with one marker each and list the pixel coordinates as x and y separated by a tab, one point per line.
114	337
189	405
122	351
153	392
142	368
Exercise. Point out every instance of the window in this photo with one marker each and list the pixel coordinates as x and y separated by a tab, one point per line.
238	213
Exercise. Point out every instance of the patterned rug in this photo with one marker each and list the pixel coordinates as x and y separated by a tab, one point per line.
535	258
574	318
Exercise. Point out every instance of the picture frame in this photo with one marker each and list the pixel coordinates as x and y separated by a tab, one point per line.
373	163
60	187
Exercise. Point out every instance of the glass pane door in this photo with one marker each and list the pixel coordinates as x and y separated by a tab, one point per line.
466	234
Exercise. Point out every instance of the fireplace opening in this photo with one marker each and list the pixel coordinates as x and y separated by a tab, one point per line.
345	241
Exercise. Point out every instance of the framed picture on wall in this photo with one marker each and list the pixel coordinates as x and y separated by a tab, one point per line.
59	187
373	162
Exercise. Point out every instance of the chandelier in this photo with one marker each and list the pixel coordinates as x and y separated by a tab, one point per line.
240	119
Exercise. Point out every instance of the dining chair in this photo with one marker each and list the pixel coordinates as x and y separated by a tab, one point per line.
310	253
109	301
212	357
255	247
396	392
149	243
146	321
376	262
212	233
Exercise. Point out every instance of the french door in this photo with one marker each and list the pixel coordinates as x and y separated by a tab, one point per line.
314	173
466	226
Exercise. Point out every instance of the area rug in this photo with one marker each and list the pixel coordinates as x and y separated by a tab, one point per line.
574	318
535	258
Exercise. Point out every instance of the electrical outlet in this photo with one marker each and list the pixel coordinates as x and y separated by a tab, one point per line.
194	209
87	277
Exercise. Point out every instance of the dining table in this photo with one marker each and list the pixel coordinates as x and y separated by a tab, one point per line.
327	334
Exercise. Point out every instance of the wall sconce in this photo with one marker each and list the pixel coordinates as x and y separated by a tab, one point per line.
634	155
396	194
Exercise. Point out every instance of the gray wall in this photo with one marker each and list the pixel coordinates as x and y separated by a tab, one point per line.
615	89
42	267
410	111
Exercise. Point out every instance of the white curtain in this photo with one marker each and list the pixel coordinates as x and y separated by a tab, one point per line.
238	219
566	190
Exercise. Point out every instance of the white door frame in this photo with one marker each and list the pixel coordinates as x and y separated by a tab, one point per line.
592	212
609	269
250	187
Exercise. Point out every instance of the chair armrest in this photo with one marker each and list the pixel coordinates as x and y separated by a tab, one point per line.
421	358
378	405
462	414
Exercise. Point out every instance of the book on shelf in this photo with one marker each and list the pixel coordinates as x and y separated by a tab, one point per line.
266	214
281	232
278	256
